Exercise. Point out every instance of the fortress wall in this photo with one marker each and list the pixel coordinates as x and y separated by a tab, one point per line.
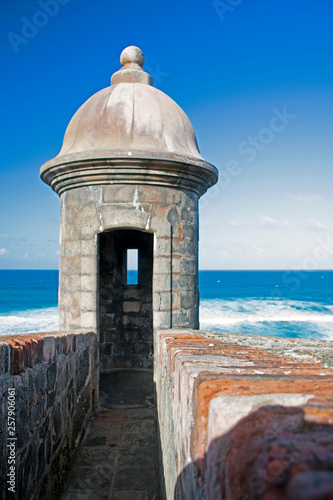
244	417
54	380
239	417
170	215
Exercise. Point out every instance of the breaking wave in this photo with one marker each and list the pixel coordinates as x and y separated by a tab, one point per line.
283	318
30	321
268	317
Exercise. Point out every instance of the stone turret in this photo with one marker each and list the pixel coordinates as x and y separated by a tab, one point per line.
129	176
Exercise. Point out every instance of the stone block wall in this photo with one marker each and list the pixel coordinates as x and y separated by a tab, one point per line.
247	418
244	417
171	215
54	382
85	298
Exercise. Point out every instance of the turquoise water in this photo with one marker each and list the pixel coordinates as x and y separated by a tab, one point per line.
279	303
28	302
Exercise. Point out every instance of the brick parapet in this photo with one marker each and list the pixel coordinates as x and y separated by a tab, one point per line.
197	372
19	353
54	377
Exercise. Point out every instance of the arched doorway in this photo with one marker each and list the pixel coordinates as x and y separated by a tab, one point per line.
125	313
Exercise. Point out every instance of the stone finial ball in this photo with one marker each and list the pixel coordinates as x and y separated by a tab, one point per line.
132	54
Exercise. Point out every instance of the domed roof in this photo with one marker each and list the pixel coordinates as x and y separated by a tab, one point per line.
129	119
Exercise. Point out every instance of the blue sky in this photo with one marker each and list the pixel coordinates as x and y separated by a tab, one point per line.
255	79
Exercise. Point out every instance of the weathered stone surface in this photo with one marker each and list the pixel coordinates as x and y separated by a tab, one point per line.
278	445
311	350
53	397
218	402
111	207
4	358
224	415
132	306
196	371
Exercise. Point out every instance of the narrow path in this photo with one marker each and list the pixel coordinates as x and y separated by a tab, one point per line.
118	459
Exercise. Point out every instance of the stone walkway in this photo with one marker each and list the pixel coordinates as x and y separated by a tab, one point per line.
118	459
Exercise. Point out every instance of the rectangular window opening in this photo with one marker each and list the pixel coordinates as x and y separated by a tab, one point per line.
132	266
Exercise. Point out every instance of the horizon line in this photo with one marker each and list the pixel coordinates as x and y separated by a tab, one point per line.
212	270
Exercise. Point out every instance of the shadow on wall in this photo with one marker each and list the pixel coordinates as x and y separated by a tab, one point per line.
275	453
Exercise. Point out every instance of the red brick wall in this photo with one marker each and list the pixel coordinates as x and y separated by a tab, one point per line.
54	380
242	422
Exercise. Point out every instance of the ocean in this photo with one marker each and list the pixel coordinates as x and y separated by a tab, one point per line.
290	304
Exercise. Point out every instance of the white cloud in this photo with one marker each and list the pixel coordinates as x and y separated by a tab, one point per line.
223	254
241	222
3	251
259	250
314	225
303	198
261	221
271	223
234	223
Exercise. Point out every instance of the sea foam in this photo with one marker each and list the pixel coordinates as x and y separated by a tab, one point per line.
30	321
248	316
268	317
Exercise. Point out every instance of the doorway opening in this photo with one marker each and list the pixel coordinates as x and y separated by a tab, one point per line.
125	309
